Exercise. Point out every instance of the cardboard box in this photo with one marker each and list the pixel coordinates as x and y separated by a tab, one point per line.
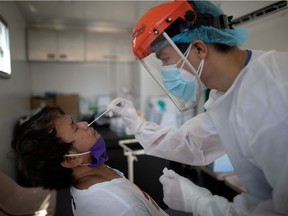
37	102
69	103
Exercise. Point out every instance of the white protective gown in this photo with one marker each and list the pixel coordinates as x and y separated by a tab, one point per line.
250	123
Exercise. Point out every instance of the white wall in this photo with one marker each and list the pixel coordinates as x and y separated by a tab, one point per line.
86	79
14	92
92	79
268	33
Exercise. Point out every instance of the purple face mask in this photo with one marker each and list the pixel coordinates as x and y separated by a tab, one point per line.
98	151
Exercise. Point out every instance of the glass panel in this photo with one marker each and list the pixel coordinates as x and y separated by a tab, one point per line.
5	58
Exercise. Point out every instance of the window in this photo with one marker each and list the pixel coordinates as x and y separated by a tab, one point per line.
5	59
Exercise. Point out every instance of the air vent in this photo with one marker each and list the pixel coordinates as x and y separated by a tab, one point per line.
277	6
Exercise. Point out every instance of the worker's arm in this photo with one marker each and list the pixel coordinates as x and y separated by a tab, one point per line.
195	143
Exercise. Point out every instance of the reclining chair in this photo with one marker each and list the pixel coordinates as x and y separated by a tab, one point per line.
28	201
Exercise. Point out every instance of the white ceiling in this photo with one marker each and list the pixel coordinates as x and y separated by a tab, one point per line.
121	15
84	14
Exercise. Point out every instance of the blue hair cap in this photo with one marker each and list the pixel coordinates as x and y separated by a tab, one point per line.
209	34
208	7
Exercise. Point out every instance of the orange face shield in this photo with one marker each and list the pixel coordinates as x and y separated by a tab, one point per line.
157	26
155	22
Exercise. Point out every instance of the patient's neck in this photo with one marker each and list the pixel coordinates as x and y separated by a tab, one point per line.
86	176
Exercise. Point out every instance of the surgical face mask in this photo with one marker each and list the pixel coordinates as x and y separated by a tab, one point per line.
98	151
180	82
175	83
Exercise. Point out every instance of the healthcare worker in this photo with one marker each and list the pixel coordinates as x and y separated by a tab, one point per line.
186	46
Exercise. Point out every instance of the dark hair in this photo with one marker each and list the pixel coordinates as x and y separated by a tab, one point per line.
223	48
39	152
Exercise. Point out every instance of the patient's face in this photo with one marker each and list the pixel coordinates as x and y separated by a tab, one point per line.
77	133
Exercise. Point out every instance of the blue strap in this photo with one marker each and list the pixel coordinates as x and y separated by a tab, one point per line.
249	54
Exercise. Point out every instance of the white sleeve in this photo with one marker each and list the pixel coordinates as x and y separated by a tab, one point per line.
182	194
195	143
214	206
200	200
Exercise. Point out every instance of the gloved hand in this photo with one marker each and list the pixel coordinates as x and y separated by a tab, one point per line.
180	193
132	119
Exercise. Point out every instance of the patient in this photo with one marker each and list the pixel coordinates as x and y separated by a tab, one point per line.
55	152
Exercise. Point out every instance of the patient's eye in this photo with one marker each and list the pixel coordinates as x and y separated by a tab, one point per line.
74	126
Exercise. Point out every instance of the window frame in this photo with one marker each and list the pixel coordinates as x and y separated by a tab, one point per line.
6	45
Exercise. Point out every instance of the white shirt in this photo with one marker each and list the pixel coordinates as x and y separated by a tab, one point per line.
118	197
250	123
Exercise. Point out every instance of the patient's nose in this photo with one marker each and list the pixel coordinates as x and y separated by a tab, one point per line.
83	124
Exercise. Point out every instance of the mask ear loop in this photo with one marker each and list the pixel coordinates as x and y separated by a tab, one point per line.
200	68
180	53
187	62
186	53
77	154
182	59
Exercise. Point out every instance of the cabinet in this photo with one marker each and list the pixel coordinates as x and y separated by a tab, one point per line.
108	47
52	45
123	48
78	46
97	46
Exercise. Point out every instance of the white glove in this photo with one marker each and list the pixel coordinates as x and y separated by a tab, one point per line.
180	193
133	121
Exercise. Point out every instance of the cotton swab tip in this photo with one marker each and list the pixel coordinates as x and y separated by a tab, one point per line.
106	111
